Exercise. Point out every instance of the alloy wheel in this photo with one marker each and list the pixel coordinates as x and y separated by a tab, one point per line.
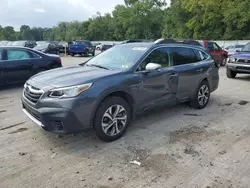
203	95
114	120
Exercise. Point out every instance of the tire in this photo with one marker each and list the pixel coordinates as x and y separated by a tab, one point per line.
202	96
72	54
115	128
38	71
231	74
93	54
86	54
223	62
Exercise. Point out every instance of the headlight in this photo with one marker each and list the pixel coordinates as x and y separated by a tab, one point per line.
68	92
231	59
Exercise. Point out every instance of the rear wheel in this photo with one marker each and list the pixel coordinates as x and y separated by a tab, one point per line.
112	119
93	54
86	53
72	54
202	96
231	74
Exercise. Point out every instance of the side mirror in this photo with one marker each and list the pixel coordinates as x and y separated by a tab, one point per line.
152	67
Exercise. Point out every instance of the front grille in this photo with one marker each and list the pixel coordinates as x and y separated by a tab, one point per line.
31	113
32	93
243	68
243	61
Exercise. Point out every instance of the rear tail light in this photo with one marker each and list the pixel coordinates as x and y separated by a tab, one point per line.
59	61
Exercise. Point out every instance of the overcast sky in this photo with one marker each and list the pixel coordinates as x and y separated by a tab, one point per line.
47	13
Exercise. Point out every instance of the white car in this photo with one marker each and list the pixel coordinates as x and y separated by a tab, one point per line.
232	49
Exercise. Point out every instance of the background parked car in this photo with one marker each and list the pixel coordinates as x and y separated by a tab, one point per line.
3	43
63	46
97	45
47	47
232	49
18	64
82	47
104	47
24	43
219	55
239	62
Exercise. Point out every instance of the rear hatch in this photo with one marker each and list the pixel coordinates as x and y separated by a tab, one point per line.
77	47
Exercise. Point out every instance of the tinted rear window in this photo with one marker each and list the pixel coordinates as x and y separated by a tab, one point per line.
182	56
81	42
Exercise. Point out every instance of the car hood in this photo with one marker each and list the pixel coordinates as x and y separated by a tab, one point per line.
242	55
69	76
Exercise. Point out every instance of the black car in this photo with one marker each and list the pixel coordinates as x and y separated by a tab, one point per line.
24	43
109	90
18	64
47	47
105	47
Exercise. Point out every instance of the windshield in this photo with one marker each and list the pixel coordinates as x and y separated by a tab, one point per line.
239	46
81	42
41	45
118	57
246	48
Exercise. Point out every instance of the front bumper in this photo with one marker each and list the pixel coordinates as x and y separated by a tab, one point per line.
239	67
57	119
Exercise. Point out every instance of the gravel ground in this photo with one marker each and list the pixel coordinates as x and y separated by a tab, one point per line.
177	147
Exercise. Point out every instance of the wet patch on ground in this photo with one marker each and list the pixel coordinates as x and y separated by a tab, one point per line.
242	103
19	131
191	134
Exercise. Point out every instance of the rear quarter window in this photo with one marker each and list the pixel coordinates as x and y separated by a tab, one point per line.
182	56
201	55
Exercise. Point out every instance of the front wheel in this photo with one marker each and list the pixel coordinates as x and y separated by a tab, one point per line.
112	119
223	62
231	74
202	96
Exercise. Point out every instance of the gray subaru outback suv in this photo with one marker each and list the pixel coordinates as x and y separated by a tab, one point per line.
108	91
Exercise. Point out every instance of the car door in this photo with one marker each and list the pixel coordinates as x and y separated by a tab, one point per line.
1	67
159	86
215	51
17	66
189	70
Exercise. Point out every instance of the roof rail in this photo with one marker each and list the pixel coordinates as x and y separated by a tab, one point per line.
135	40
174	41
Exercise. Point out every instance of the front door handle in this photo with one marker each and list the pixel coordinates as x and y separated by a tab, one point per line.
173	74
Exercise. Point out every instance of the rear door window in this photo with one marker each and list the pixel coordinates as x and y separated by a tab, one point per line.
200	55
17	55
182	56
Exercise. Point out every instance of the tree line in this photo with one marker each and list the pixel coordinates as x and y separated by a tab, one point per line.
150	19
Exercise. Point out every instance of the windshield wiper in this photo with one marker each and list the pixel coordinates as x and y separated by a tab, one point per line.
99	66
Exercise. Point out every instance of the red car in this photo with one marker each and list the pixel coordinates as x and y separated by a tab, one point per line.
219	55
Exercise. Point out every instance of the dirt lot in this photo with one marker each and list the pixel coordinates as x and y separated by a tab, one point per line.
177	147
